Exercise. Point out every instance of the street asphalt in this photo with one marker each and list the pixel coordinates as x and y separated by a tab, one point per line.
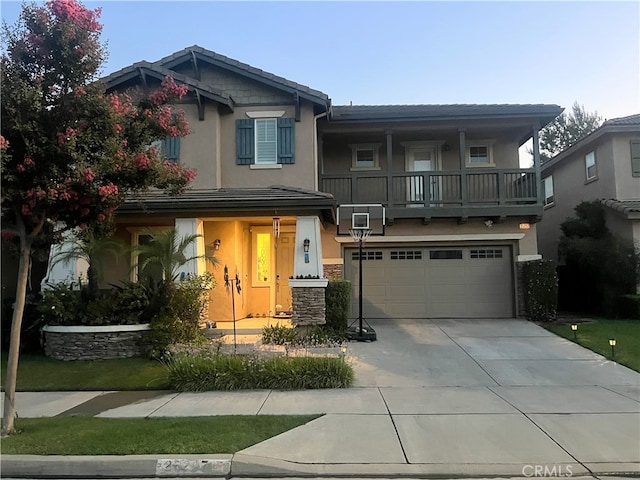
445	398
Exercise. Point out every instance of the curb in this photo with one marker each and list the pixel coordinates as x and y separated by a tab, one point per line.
241	465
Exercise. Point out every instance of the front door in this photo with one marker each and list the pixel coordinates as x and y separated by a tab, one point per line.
421	159
284	269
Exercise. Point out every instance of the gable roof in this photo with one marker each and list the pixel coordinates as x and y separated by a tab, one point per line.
629	124
196	53
372	113
145	69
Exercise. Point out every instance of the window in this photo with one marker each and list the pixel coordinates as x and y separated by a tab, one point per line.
265	141
262	259
445	254
480	153
168	148
590	165
406	255
364	156
486	253
635	158
367	255
547	185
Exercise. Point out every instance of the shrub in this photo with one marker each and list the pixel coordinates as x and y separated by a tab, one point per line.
239	372
30	337
61	304
338	300
541	290
179	311
278	335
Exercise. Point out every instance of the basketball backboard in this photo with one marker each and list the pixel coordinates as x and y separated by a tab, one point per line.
365	216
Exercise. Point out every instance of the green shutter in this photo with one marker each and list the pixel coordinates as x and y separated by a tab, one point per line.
286	141
244	142
172	149
635	158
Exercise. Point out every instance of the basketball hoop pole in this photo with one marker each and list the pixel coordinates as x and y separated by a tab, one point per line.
360	236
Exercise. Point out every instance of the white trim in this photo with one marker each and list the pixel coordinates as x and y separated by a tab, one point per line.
355	147
528	258
308	282
265	166
95	329
437	238
479	143
266	114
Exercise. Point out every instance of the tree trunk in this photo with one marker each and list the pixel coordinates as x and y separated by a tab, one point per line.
14	346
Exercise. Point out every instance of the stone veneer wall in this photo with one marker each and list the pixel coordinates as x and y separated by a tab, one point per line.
95	346
333	271
308	306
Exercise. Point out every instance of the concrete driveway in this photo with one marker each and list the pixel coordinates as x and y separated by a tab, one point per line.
466	397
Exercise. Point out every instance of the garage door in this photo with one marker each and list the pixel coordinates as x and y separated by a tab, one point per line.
444	282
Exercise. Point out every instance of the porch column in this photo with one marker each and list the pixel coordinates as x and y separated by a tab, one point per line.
308	284
72	271
463	166
185	227
536	163
389	134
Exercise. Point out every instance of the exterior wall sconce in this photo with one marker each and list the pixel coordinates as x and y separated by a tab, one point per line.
574	329
276	227
216	244
612	342
525	226
488	223
305	246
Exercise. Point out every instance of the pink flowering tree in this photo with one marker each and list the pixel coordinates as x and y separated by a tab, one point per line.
71	153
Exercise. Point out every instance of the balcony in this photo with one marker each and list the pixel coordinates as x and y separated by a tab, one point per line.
498	193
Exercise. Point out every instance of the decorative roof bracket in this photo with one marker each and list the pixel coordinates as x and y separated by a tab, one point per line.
194	60
200	101
296	99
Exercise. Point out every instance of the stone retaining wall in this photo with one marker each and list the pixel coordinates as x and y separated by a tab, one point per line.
95	345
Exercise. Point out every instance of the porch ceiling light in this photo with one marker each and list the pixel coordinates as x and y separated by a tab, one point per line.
525	226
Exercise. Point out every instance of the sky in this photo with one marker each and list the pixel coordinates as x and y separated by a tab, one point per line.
414	52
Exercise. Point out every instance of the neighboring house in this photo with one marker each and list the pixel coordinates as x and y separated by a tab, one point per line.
275	159
605	166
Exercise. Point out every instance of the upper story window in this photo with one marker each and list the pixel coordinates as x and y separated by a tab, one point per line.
168	148
635	158
480	153
547	185
364	156
590	165
265	141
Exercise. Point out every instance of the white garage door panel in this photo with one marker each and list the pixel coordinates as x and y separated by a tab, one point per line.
427	282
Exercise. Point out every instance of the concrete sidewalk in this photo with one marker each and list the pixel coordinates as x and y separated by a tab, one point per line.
448	398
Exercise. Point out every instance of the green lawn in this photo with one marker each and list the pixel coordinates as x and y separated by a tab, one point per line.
40	373
139	436
595	336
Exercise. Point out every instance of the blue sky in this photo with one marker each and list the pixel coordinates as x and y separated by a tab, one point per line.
402	52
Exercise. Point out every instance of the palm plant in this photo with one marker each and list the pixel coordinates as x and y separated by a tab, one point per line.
166	251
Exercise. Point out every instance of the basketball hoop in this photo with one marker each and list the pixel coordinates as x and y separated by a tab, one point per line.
360	235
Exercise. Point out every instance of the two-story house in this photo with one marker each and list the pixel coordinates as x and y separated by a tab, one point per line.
280	168
605	166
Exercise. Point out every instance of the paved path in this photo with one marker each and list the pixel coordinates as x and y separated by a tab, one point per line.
451	397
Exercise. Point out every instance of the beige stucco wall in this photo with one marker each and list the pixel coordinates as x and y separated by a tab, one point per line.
201	148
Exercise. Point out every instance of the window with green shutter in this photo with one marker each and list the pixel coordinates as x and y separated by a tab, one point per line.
172	149
635	158
265	141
